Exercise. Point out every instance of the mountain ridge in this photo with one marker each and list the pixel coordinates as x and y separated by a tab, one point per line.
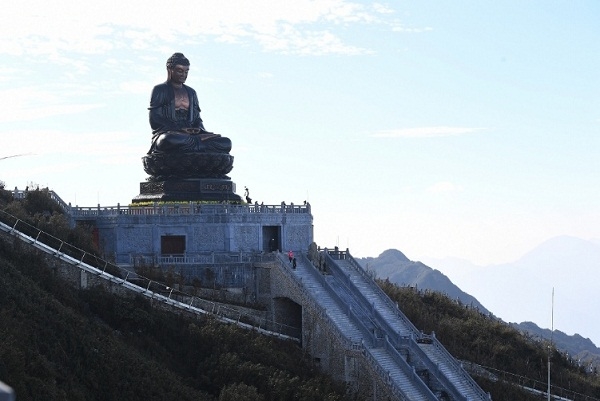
556	280
395	266
484	284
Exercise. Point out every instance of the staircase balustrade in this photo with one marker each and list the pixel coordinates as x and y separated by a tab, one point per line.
155	290
332	256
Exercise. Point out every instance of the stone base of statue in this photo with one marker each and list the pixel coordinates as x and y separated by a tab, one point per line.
166	166
188	190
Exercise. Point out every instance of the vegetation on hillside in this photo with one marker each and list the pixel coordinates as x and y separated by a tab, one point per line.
60	343
472	336
39	210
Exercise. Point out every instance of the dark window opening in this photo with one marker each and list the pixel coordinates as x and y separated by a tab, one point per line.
172	245
271	238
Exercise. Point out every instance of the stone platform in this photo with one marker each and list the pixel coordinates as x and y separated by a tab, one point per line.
185	190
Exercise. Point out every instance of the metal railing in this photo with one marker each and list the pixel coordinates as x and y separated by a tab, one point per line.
184	208
320	310
334	255
170	208
136	283
200	258
450	361
371	337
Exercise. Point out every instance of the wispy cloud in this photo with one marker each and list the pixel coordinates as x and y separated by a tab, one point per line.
58	142
425	132
28	103
298	27
444	187
315	43
402	28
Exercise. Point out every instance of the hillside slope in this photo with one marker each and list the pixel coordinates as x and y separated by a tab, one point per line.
503	350
60	343
397	268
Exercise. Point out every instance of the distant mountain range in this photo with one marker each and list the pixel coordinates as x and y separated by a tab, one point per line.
579	348
521	291
392	264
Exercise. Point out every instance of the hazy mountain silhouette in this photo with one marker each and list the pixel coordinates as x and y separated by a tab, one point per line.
395	266
519	291
522	290
576	346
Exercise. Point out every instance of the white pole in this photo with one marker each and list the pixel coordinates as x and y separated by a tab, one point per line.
551	338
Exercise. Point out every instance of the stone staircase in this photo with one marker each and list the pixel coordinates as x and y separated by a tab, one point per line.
308	276
409	384
364	314
377	300
353	323
451	371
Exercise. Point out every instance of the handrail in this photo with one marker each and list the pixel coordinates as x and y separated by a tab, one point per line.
434	369
530	384
321	311
451	361
408	369
385	375
185	208
171	208
355	319
378	291
458	368
153	289
205	258
340	302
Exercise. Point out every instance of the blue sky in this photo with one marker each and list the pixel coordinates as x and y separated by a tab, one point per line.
461	129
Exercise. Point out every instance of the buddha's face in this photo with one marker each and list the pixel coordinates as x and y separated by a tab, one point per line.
179	73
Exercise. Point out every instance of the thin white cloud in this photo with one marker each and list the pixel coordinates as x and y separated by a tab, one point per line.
28	103
425	132
308	43
444	187
298	27
402	28
57	142
382	8
265	75
140	87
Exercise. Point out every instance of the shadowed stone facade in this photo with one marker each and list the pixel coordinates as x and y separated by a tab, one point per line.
191	229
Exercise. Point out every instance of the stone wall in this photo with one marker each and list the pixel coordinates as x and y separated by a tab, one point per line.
323	341
123	236
289	306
